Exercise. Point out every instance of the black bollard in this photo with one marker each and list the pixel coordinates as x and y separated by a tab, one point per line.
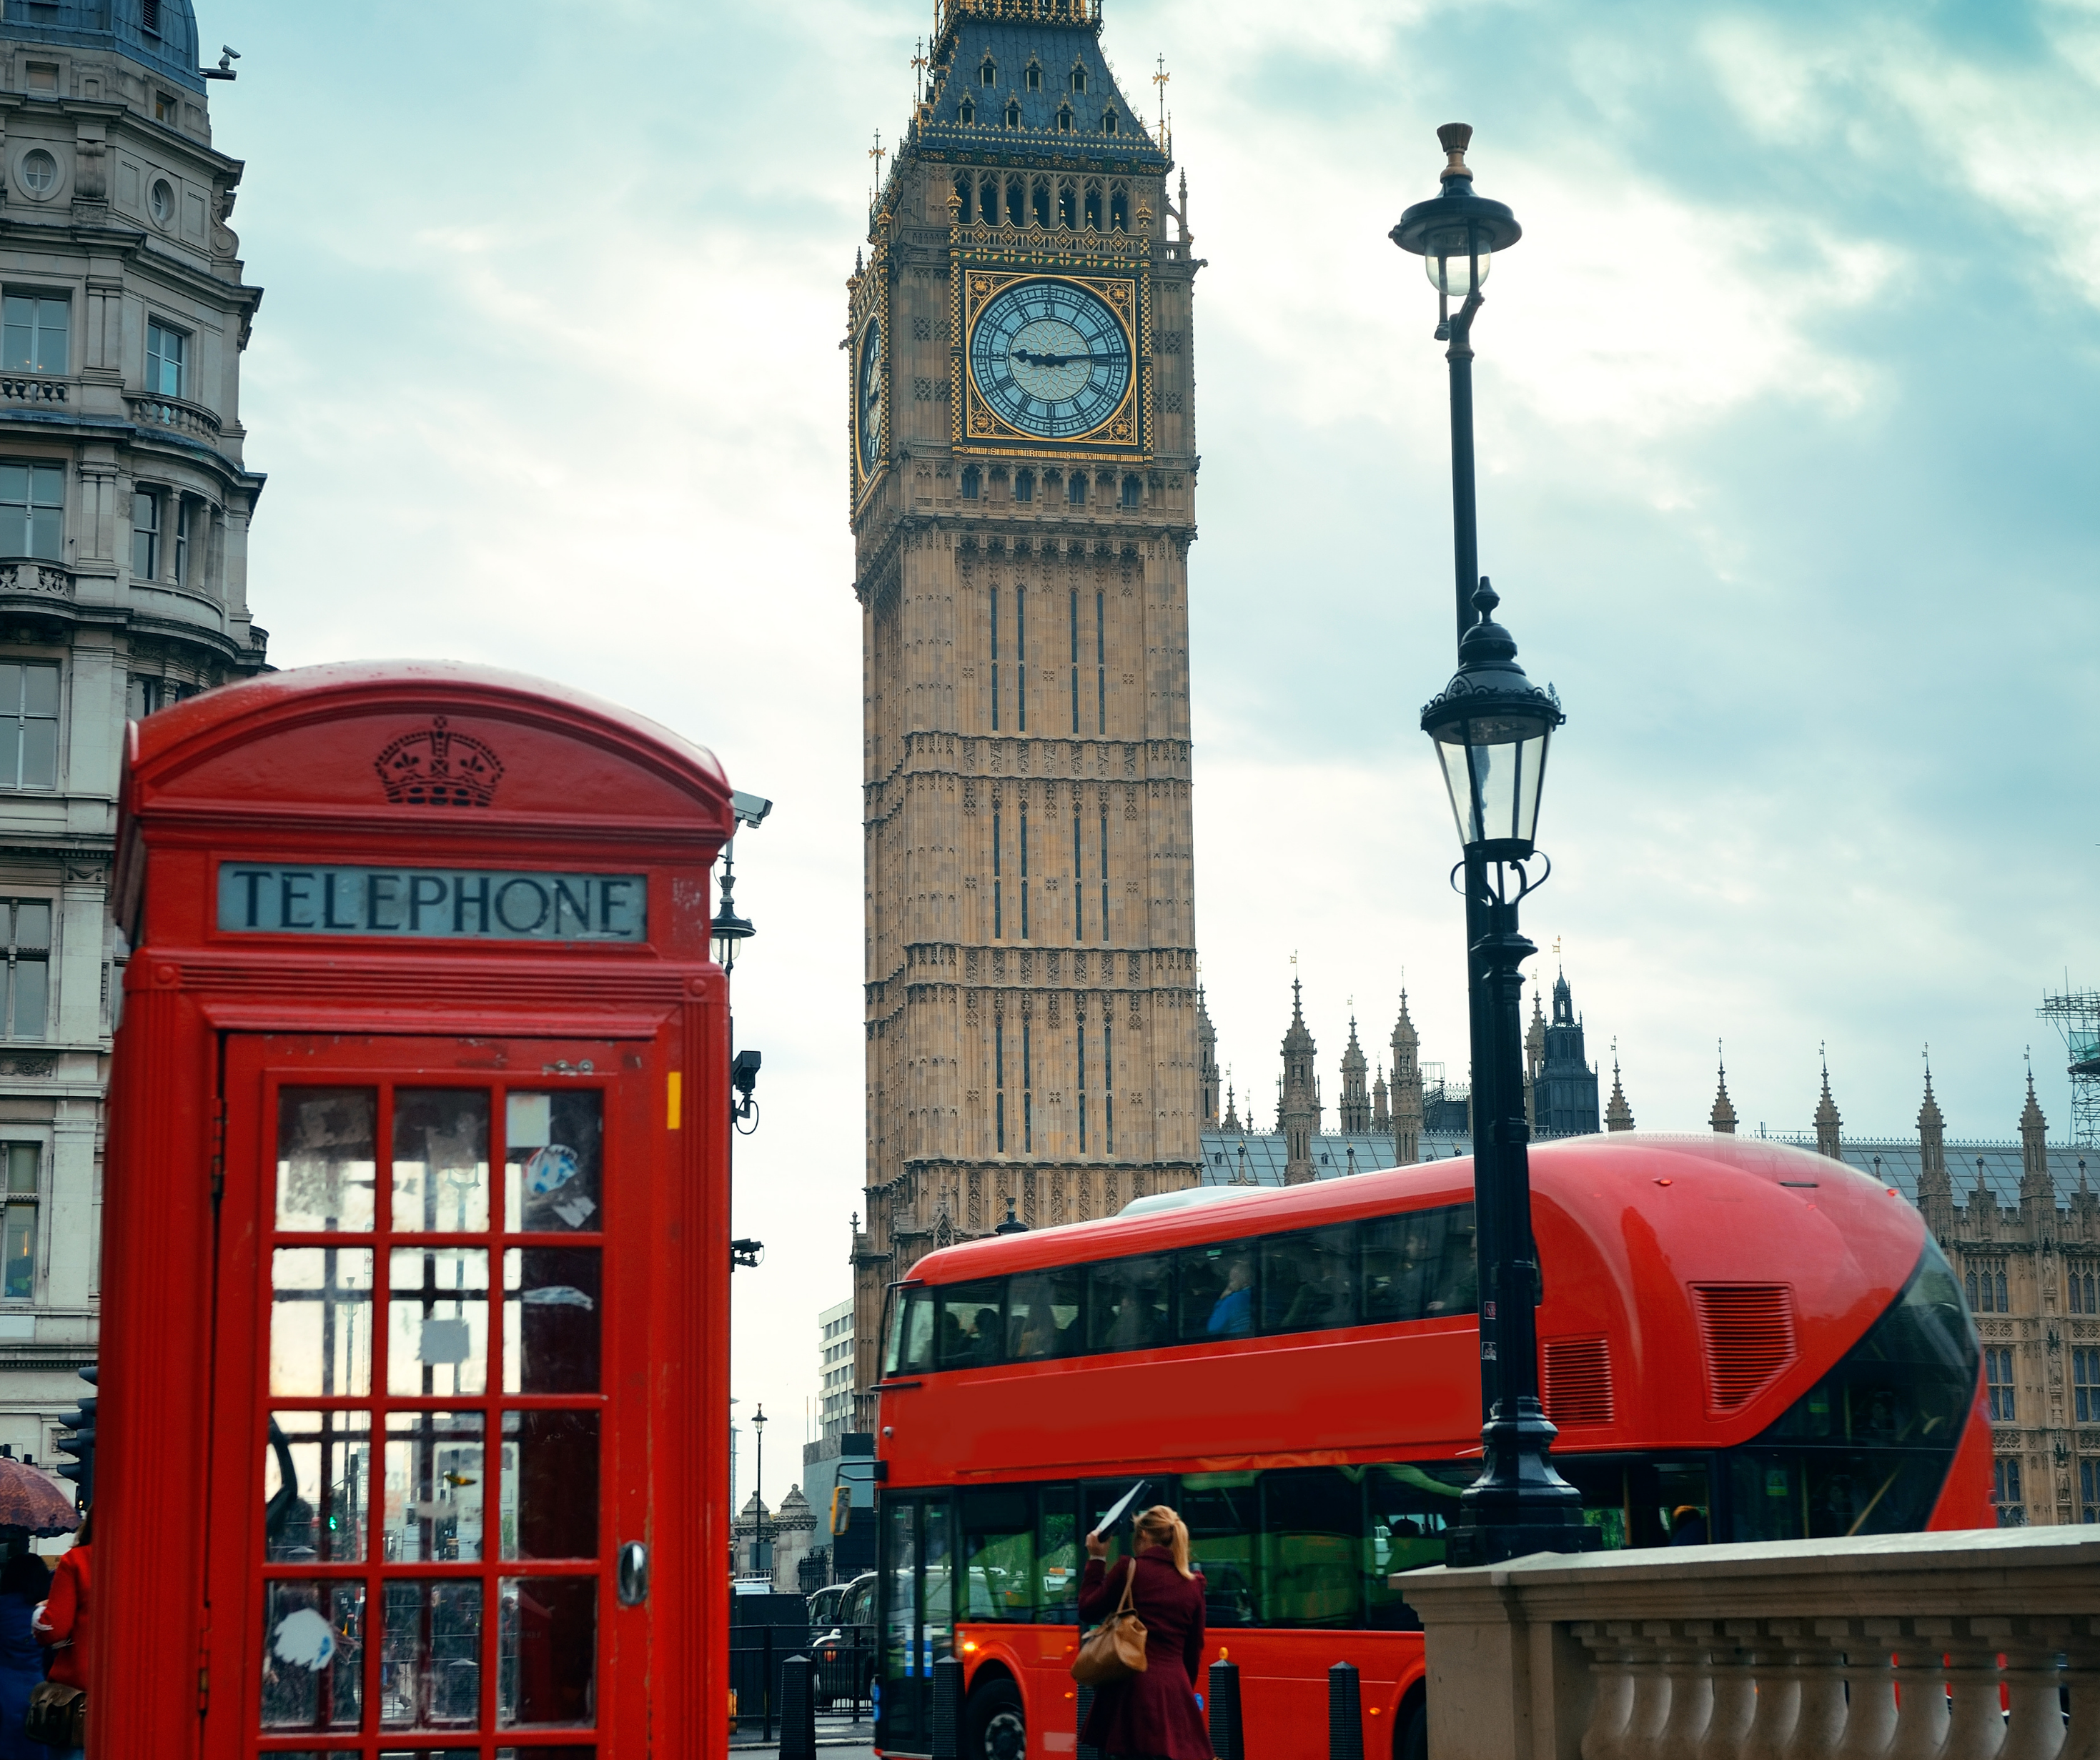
771	1684
947	1709
1227	1737
798	1710
1086	1704
1345	1715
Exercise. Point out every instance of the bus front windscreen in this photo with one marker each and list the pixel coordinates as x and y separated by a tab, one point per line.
1867	1449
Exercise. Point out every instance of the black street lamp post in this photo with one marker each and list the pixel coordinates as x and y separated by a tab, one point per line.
1491	726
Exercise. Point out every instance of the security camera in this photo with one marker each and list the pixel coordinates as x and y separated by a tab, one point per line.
750	809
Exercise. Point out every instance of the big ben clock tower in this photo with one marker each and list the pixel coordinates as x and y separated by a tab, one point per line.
1023	481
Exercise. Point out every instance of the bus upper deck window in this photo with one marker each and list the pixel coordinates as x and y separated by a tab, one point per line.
911	1333
971	1328
1126	1304
1308	1280
1042	1314
1217	1290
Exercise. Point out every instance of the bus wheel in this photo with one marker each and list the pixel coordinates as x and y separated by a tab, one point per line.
998	1724
1410	1735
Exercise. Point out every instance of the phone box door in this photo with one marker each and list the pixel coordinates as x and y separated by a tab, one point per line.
429	1427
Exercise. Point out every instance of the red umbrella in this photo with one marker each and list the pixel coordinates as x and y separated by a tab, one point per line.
33	1503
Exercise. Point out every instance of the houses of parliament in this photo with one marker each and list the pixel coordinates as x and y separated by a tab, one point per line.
1019	358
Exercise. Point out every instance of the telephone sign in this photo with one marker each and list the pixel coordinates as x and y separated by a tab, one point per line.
416	1230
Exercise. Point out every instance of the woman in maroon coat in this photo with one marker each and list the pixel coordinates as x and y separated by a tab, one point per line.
1152	1716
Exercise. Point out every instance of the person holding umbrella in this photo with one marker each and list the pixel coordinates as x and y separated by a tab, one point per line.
1151	1715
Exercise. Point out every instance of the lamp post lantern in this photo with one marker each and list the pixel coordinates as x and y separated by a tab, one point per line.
729	930
1491	726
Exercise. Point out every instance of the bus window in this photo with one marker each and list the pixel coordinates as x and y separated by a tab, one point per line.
1056	1557
1308	1280
1126	1304
1223	1518
1420	1266
900	1599
1411	1508
938	1590
1312	1530
1042	1314
998	1554
972	1327
911	1333
1215	1285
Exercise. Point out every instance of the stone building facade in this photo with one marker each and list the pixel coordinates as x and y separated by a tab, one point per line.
123	512
1020	361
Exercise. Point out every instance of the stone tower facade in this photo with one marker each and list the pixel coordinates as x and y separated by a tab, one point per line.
1297	1103
123	512
1019	356
1355	1096
1564	1087
1406	1089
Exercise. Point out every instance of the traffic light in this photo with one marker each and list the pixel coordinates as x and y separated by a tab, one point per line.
80	1421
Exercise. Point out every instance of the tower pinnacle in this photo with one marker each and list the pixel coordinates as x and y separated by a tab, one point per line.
1827	1119
1618	1115
1722	1118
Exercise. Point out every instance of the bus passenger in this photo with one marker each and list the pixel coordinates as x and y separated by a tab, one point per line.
1152	1716
1233	1311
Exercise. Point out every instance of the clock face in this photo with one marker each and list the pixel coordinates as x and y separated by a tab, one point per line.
1051	358
867	414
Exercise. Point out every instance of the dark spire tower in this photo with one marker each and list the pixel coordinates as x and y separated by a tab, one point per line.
1021	491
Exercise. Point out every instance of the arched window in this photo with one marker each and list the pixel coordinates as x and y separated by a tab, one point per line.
2004	1305
1108	121
988	74
1041	202
988	204
1024	486
1078	79
1034	77
1133	492
1014	112
969	112
963	192
1065	203
1972	1292
1094	209
1120	211
973	482
1075	489
1065	119
1017	198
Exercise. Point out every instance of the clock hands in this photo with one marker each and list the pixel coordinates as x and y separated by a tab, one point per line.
1048	360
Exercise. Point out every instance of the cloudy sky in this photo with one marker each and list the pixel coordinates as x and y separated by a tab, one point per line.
1788	436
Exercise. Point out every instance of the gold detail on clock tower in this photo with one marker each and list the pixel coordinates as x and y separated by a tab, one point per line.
1022	516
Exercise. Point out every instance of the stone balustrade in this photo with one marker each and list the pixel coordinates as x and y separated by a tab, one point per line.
177	414
33	389
1961	1646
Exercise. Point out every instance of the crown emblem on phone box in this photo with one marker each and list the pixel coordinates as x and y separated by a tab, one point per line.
434	767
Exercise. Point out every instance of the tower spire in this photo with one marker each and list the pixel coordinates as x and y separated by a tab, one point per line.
1722	1117
1618	1115
1827	1119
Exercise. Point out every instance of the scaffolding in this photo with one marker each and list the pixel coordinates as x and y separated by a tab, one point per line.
2076	1014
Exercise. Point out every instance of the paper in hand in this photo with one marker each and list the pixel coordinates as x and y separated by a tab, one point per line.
1106	1525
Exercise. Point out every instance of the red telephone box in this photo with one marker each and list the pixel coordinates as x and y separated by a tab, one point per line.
416	1263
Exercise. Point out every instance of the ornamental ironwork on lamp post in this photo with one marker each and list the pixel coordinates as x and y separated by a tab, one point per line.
1491	726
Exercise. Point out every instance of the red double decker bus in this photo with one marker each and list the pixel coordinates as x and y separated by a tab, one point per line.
1738	1339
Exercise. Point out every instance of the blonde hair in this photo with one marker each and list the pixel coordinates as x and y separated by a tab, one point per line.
1161	1526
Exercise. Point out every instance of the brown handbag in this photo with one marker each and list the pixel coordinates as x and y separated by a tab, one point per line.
1114	1650
58	1715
